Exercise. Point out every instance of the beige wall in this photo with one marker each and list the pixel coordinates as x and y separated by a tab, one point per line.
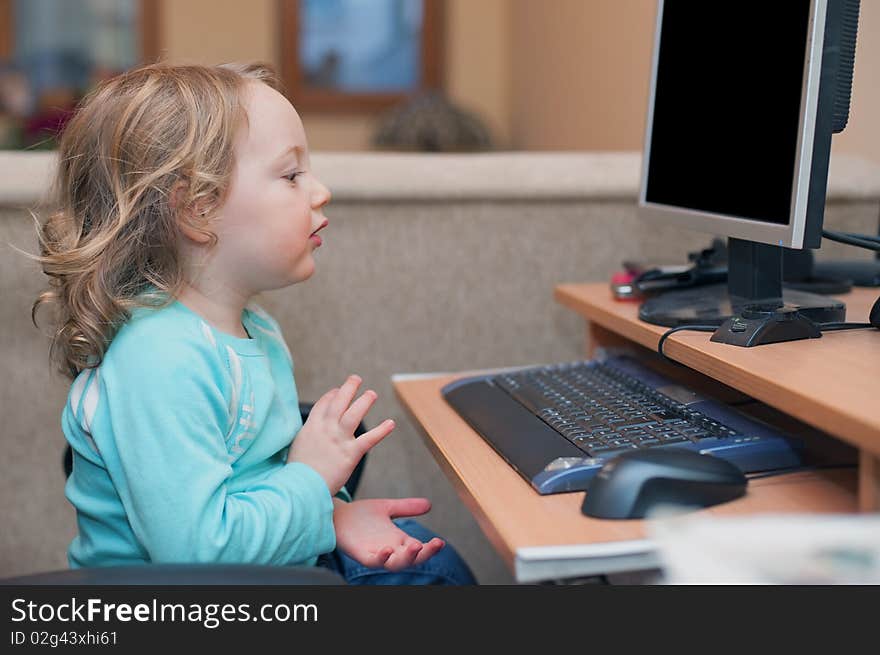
544	74
214	31
581	73
478	64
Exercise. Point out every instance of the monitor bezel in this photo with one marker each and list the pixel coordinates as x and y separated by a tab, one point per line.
790	235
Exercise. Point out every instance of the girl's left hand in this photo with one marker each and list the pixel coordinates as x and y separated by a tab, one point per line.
365	532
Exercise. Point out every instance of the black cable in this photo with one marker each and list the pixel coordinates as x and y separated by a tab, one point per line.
666	335
852	240
859	240
877	254
863	237
796	469
830	327
824	327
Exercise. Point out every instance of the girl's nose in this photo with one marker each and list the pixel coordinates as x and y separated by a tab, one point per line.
321	195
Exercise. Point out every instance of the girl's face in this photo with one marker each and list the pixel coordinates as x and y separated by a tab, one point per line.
267	227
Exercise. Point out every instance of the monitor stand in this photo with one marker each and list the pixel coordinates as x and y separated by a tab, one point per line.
752	307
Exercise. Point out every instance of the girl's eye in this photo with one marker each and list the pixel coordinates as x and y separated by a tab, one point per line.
291	177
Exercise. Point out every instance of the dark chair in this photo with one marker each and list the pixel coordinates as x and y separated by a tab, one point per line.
194	574
184	574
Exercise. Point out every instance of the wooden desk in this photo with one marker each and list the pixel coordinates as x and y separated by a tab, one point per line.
832	383
829	383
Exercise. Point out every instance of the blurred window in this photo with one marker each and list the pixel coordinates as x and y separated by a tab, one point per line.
360	54
52	52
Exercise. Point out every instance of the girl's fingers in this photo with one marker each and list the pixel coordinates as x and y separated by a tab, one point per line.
404	507
429	550
344	396
358	410
323	402
381	557
369	439
404	556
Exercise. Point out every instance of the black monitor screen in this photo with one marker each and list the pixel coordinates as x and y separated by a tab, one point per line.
727	101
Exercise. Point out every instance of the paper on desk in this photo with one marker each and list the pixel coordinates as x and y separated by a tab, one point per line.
769	549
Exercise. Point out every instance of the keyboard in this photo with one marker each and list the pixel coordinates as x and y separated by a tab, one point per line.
557	425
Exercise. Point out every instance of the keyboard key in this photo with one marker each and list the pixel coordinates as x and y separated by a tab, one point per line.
637	421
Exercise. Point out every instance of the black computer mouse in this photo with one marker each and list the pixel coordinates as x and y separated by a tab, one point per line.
634	483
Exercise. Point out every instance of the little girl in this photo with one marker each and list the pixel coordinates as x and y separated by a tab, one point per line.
184	191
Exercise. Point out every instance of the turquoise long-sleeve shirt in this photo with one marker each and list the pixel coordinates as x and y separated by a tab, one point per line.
179	443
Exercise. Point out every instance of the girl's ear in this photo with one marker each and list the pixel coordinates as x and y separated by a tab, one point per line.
191	222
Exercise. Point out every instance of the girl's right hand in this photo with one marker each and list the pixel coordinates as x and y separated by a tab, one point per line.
326	441
365	531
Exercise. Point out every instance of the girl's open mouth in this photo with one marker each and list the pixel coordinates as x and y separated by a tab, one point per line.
314	238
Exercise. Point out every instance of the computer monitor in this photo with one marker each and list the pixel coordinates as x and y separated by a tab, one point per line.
744	99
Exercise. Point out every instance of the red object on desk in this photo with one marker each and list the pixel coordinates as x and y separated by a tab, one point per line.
622	286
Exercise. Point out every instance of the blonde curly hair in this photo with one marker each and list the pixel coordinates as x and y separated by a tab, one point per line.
145	151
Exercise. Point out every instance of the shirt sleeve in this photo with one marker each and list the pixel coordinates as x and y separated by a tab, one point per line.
167	418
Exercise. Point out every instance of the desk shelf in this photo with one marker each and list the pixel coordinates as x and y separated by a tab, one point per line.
536	534
829	383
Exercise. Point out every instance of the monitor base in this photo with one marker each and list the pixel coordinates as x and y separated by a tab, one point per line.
711	305
758	325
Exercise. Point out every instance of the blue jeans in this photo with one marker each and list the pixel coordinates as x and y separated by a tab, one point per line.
445	568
